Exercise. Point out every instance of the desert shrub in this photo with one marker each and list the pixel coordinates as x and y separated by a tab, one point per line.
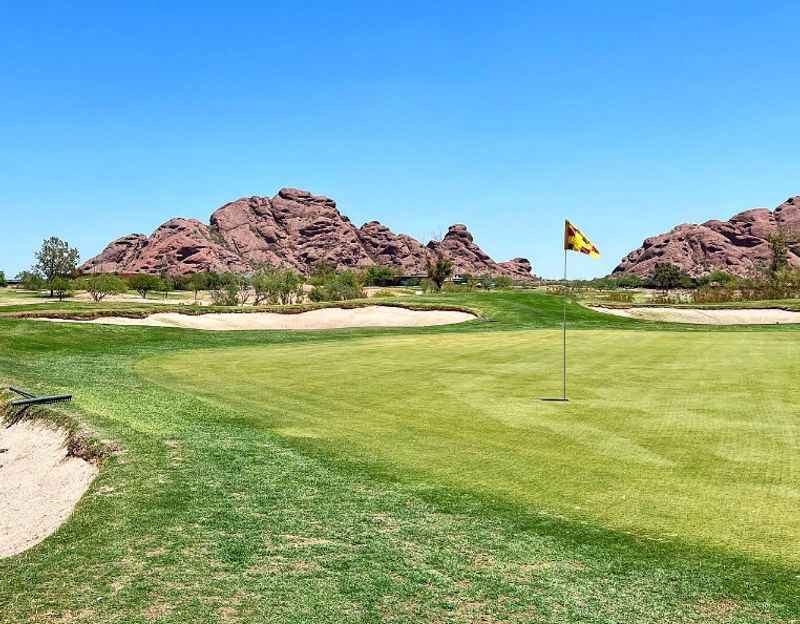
340	287
272	285
379	276
233	290
61	287
438	272
143	283
503	282
102	285
321	272
617	296
384	292
31	280
666	276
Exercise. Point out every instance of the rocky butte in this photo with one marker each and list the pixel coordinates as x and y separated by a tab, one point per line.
739	246
293	229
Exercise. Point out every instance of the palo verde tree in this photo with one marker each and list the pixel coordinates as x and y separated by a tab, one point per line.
102	285
56	259
143	283
439	271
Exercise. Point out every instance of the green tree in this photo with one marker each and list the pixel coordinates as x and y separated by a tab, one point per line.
503	282
321	272
378	275
666	276
341	287
30	280
272	285
232	290
779	242
143	283
439	271
3	282
56	259
102	285
61	287
198	282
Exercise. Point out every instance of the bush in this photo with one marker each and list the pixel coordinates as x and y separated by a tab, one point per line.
61	287
667	276
503	282
31	280
100	286
384	292
340	287
233	290
379	276
438	272
273	286
3	281
143	283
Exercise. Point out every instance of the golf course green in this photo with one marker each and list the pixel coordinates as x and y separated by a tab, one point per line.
414	474
668	435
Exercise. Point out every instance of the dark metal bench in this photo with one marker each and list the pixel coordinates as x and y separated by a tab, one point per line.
19	407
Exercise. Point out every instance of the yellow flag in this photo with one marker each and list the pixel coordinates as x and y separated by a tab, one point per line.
575	240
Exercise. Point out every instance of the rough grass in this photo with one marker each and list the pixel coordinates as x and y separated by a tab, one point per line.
210	515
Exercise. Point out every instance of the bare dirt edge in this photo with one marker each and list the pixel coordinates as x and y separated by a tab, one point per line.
322	318
705	316
46	465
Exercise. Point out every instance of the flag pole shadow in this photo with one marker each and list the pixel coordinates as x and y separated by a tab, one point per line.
554	400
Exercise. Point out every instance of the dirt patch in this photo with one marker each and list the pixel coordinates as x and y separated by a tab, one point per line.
39	484
697	316
326	318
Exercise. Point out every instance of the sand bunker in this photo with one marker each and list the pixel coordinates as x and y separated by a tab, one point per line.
764	316
39	485
328	318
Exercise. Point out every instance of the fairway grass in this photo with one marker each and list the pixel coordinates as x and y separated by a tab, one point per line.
410	475
671	436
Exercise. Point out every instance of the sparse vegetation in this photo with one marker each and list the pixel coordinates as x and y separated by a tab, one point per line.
102	285
61	287
232	290
144	283
277	286
337	287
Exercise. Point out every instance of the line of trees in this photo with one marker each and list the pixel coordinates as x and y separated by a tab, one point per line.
56	270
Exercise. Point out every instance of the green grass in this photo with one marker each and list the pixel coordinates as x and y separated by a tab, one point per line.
665	437
223	508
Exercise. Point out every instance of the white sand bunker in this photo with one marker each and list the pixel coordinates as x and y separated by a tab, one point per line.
39	485
327	318
729	316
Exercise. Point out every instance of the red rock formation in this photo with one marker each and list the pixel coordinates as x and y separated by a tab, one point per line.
739	246
294	229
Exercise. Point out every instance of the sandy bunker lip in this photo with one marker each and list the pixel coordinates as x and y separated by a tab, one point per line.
707	316
39	485
326	318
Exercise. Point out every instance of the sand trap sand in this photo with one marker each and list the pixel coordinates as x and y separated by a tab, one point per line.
39	485
764	316
328	318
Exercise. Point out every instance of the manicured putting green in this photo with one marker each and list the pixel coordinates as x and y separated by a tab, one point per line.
675	436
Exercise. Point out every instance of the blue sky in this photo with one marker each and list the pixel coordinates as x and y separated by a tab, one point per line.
625	117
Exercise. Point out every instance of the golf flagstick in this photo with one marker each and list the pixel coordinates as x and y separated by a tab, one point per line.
574	240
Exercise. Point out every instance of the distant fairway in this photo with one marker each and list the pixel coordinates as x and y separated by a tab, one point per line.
692	437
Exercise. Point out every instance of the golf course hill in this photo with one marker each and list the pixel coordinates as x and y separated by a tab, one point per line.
737	246
293	229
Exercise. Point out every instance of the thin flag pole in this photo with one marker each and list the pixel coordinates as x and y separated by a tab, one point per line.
564	325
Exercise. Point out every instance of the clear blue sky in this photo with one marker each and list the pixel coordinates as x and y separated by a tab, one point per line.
626	117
